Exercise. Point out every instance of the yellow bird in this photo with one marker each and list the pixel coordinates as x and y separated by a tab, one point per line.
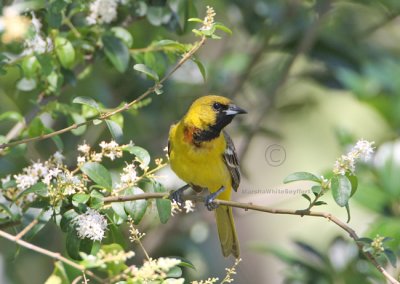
203	155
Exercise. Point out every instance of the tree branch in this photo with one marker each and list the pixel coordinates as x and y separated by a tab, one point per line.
250	206
54	255
127	106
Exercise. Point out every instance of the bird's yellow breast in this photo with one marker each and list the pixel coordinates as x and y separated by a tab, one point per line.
201	165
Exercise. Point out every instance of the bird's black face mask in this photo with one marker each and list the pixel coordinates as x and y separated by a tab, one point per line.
224	116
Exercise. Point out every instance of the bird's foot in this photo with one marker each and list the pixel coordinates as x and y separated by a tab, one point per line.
209	200
176	196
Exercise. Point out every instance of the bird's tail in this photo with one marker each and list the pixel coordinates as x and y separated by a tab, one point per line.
226	231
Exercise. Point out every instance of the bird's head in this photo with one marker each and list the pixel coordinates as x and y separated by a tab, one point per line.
211	113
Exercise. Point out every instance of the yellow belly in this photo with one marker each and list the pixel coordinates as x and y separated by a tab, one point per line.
202	166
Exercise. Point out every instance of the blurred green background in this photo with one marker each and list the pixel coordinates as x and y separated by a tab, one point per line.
314	76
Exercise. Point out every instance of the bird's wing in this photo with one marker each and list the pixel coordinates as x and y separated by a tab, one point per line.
231	161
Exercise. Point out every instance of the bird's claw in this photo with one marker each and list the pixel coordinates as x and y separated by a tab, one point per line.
176	196
209	200
209	203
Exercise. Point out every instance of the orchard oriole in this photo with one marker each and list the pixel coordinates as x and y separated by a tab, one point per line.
203	155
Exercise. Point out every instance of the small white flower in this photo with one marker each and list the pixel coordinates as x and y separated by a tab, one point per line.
84	148
166	263
364	149
96	157
347	163
37	44
129	175
53	173
175	208
81	159
38	169
189	206
69	183
111	150
25	181
102	12
91	225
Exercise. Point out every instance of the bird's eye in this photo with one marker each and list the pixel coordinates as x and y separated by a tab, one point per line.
217	106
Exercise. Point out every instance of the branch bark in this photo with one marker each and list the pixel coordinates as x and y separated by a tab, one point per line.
250	206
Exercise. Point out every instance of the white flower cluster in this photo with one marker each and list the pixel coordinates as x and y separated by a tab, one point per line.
208	21
102	12
38	171
91	225
347	163
128	177
176	207
111	150
156	269
37	43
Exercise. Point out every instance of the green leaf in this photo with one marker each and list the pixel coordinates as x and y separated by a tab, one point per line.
54	12
66	219
46	63
118	208
391	257
117	52
80	198
26	84
65	52
316	189
184	262
223	28
318	203
141	153
146	70
73	243
175	272
86	101
354	183
348	212
96	199
30	65
201	68
135	209
11	115
98	173
367	241
301	176
341	189
115	130
39	188
306	197
163	205
123	35
197	20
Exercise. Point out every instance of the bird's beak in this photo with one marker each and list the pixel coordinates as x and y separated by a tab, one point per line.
234	110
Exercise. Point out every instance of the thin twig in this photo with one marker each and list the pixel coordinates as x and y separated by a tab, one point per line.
54	255
248	206
26	229
125	107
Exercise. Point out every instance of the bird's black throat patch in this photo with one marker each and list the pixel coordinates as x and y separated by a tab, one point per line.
213	131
